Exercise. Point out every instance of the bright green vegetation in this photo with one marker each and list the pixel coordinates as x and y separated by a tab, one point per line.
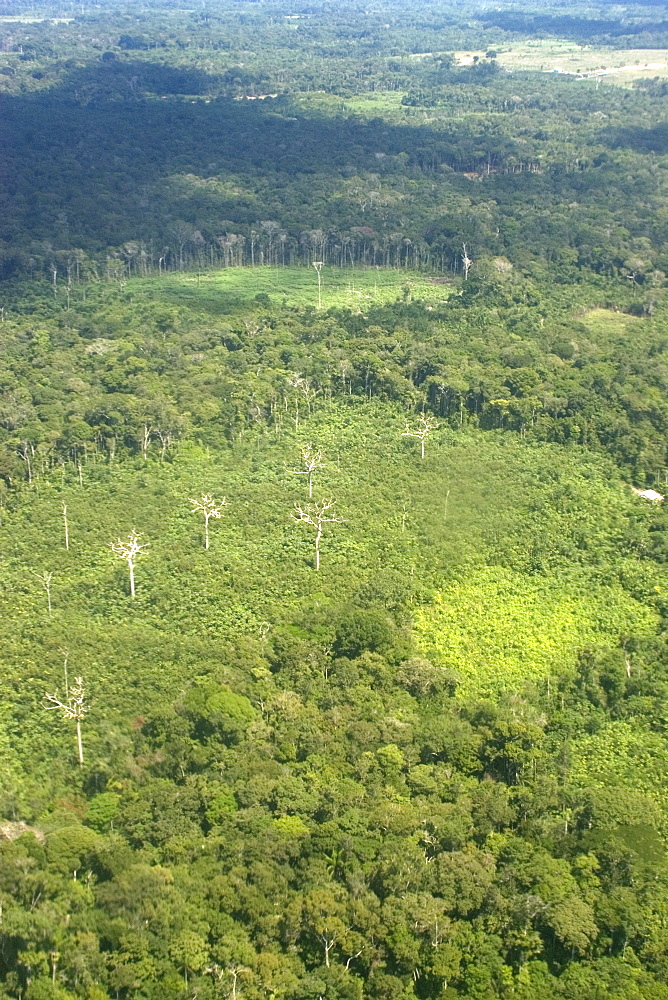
628	757
498	630
419	755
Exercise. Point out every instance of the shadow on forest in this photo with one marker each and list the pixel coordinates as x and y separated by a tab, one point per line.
581	29
642	140
86	156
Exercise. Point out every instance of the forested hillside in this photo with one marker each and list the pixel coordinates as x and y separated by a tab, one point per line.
334	366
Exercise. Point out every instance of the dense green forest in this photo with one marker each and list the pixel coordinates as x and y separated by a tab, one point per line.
333	620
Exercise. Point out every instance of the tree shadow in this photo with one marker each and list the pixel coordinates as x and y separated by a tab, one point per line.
641	140
581	29
116	148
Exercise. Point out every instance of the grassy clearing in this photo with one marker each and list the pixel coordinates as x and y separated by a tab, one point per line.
25	19
550	55
608	322
609	328
237	287
372	104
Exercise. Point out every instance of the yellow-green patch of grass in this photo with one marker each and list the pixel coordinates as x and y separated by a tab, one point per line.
608	321
498	629
298	286
371	104
374	103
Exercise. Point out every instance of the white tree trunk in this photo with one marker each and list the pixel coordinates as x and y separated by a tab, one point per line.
317	547
79	742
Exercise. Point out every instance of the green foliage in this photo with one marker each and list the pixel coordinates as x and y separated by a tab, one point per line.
102	810
362	631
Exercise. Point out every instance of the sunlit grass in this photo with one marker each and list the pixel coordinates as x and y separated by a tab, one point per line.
296	286
553	54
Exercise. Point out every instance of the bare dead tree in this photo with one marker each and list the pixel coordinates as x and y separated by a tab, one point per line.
301	386
328	941
129	549
145	439
353	957
316	515
318	265
466	261
45	579
66	526
422	432
26	452
346	371
66	655
74	707
166	436
404	517
312	461
218	973
208	507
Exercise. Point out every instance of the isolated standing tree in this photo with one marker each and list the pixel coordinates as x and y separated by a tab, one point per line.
45	579
74	707
316	515
301	386
312	461
422	432
209	507
466	261
318	265
66	526
129	549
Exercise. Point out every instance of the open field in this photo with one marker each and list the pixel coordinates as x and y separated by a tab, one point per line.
234	287
555	55
26	19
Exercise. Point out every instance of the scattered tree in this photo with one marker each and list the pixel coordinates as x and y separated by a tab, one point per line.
422	432
312	461
318	265
301	386
45	579
66	655
129	549
74	707
315	515
466	261
66	526
145	439
209	507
